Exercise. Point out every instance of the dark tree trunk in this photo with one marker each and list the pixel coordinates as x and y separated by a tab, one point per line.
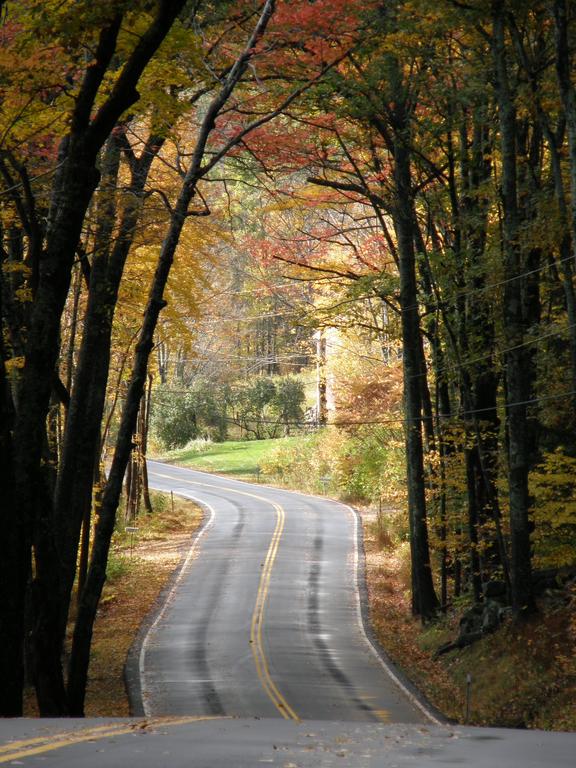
14	563
77	186
73	188
73	497
566	266
481	385
84	551
473	524
80	654
73	330
82	436
144	427
517	361
424	599
564	70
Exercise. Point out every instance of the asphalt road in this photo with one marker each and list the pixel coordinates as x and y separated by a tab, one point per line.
230	743
259	657
265	619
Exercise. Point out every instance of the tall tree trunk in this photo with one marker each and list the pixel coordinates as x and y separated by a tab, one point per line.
80	447
73	496
566	266
517	362
74	185
77	290
482	391
84	553
145	426
80	654
76	188
564	72
424	599
14	562
473	524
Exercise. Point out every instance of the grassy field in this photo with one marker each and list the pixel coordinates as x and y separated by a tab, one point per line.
239	458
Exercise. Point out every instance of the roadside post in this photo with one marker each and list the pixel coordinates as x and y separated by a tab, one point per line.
468	697
131	530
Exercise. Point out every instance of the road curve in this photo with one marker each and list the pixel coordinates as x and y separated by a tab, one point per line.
264	620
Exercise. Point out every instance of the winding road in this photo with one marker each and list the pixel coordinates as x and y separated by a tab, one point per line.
259	655
265	619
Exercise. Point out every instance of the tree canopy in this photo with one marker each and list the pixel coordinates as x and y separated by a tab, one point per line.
194	194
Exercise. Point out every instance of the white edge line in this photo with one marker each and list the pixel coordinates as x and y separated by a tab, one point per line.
160	616
395	679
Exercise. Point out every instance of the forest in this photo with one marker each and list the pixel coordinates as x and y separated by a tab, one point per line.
255	218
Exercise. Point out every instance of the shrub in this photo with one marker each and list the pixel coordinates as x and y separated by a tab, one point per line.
178	417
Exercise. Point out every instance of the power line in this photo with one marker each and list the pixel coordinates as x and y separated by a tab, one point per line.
311	308
272	358
463	363
377	422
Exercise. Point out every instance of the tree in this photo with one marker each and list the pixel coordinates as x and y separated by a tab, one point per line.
203	160
92	119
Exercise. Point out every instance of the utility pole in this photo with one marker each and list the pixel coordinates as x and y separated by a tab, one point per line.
321	402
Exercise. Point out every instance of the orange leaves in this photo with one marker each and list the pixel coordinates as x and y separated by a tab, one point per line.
304	35
329	20
32	86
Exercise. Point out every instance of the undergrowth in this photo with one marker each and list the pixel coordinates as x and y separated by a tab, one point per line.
522	676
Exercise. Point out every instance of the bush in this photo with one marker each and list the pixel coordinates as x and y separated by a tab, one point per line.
267	406
365	467
179	417
262	407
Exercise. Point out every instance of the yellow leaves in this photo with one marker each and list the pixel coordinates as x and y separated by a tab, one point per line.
24	294
16	267
175	72
552	485
13	365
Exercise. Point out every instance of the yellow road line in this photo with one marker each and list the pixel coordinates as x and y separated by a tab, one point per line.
62	735
258	621
18	750
256	642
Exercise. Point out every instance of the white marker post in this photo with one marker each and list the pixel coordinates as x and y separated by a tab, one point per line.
131	530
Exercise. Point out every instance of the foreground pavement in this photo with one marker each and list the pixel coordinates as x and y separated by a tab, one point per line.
246	743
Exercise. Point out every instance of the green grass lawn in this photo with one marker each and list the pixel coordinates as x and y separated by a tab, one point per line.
238	458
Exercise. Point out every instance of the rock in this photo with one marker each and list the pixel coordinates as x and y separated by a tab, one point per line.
552	578
481	619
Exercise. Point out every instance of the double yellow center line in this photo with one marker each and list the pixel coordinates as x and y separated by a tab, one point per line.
256	641
258	621
18	750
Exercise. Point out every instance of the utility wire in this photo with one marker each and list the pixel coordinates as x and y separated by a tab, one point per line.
420	419
488	287
496	352
436	304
